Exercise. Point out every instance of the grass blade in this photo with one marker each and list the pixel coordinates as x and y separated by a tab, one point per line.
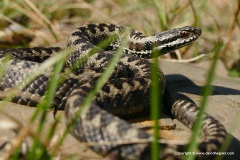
100	83
155	108
205	93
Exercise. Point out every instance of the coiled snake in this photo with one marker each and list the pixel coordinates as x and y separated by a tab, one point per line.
125	94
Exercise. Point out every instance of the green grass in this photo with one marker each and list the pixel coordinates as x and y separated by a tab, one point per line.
155	107
206	91
40	22
42	108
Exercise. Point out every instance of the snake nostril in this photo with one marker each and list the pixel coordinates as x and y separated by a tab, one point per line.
198	31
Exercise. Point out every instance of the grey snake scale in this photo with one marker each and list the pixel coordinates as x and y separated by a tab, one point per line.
126	93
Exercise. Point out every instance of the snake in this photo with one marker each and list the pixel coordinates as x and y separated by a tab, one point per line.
126	93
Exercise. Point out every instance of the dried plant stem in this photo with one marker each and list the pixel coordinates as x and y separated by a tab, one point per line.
231	30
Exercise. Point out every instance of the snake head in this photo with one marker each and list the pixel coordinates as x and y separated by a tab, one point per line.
174	39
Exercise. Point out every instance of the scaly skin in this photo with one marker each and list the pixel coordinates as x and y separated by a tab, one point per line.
126	93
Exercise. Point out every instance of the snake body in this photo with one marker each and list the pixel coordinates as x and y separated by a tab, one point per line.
125	94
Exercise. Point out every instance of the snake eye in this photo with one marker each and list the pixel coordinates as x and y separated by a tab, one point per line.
184	33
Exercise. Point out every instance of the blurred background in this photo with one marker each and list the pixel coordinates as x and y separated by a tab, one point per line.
32	23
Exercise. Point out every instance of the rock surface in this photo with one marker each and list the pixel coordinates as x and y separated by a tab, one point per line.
186	82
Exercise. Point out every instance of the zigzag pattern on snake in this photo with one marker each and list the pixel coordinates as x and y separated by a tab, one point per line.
125	94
